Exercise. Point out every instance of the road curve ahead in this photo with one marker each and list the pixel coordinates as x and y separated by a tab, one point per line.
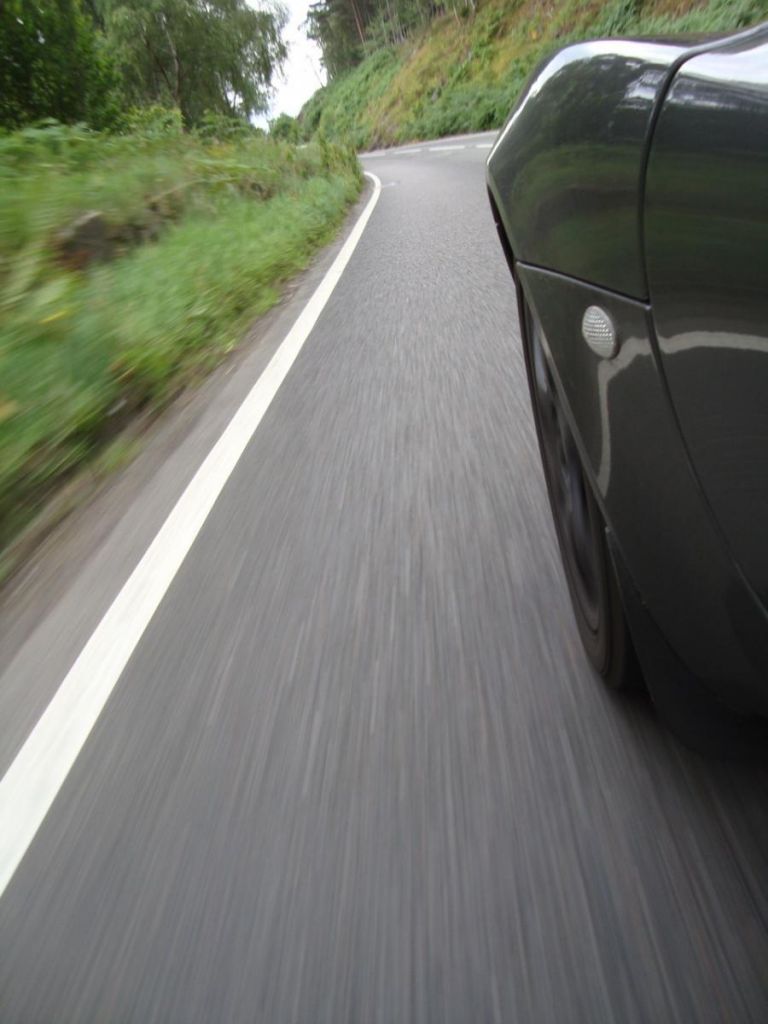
356	768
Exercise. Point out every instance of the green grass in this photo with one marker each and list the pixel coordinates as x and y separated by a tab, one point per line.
82	351
340	111
464	74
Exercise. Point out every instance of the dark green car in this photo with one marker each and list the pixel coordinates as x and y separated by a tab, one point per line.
630	190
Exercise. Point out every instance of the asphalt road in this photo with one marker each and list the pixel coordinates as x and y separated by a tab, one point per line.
357	769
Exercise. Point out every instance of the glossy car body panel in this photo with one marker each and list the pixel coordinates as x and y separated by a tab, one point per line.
634	176
566	170
706	230
641	474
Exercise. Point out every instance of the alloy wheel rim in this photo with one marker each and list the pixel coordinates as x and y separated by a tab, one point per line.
568	486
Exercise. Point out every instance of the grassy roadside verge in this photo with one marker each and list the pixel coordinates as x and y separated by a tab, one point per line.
200	236
463	73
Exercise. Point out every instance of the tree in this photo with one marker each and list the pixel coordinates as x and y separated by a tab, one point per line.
285	128
339	29
346	30
53	64
197	55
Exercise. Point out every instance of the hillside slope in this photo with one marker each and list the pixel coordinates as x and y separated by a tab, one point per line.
463	73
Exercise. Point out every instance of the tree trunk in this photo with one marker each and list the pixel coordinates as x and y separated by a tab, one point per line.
176	63
358	22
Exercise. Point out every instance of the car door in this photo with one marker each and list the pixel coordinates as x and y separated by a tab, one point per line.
706	248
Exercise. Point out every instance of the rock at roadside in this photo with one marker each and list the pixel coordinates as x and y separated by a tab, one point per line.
85	241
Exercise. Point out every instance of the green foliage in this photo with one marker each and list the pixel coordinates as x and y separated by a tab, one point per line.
82	348
632	17
285	128
153	122
618	17
461	109
465	70
53	64
224	128
338	111
347	31
336	27
92	61
197	55
176	307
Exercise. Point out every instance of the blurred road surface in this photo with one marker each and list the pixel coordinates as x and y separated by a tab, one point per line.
357	769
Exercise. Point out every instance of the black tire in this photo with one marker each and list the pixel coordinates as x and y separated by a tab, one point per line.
579	524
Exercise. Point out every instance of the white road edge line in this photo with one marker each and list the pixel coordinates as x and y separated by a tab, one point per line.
484	145
38	771
444	149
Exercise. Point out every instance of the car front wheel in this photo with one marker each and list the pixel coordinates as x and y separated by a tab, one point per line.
579	524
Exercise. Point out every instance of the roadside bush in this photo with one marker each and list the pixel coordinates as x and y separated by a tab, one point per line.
285	128
221	128
85	343
153	122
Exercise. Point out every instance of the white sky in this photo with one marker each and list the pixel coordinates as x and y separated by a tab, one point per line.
303	74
